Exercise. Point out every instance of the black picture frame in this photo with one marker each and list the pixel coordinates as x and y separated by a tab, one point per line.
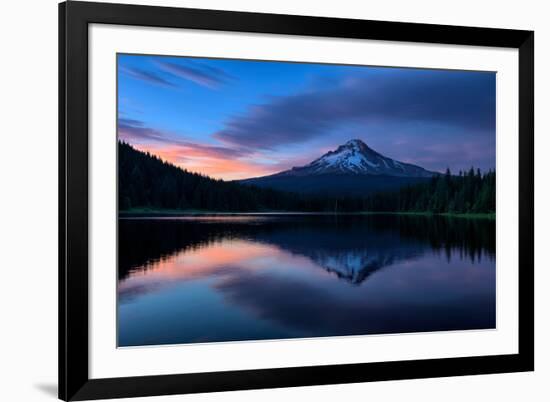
74	381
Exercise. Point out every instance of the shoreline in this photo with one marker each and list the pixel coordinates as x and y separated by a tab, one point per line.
152	213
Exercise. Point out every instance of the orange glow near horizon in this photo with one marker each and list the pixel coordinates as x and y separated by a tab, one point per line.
208	163
220	260
202	262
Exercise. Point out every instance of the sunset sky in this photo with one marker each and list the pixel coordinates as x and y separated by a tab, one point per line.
235	119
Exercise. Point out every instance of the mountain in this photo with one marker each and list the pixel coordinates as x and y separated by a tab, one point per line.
351	169
147	184
356	158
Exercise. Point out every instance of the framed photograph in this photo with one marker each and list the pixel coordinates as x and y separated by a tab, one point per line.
256	200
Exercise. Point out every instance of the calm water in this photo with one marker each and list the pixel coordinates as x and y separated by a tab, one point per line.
245	277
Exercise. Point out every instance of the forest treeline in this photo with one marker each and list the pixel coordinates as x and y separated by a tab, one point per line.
467	192
145	241
146	181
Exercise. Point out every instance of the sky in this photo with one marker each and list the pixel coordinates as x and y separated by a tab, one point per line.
235	119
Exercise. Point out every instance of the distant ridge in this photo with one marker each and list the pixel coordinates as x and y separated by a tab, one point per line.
357	158
351	169
147	185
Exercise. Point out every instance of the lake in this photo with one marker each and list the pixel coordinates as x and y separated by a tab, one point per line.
213	278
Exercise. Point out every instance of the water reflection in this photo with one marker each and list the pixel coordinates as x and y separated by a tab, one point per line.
201	279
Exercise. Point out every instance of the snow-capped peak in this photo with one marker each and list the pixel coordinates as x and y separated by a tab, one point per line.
355	157
355	143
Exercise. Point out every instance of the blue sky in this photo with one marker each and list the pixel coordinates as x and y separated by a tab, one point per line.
235	119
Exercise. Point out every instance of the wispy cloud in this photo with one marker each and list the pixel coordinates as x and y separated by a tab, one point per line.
147	76
216	161
136	131
199	73
460	100
132	131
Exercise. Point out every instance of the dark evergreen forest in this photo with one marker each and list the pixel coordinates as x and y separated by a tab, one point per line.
147	182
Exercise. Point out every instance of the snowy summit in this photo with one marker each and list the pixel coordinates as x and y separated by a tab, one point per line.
356	158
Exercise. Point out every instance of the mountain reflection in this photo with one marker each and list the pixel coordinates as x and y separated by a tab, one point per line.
349	246
200	279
